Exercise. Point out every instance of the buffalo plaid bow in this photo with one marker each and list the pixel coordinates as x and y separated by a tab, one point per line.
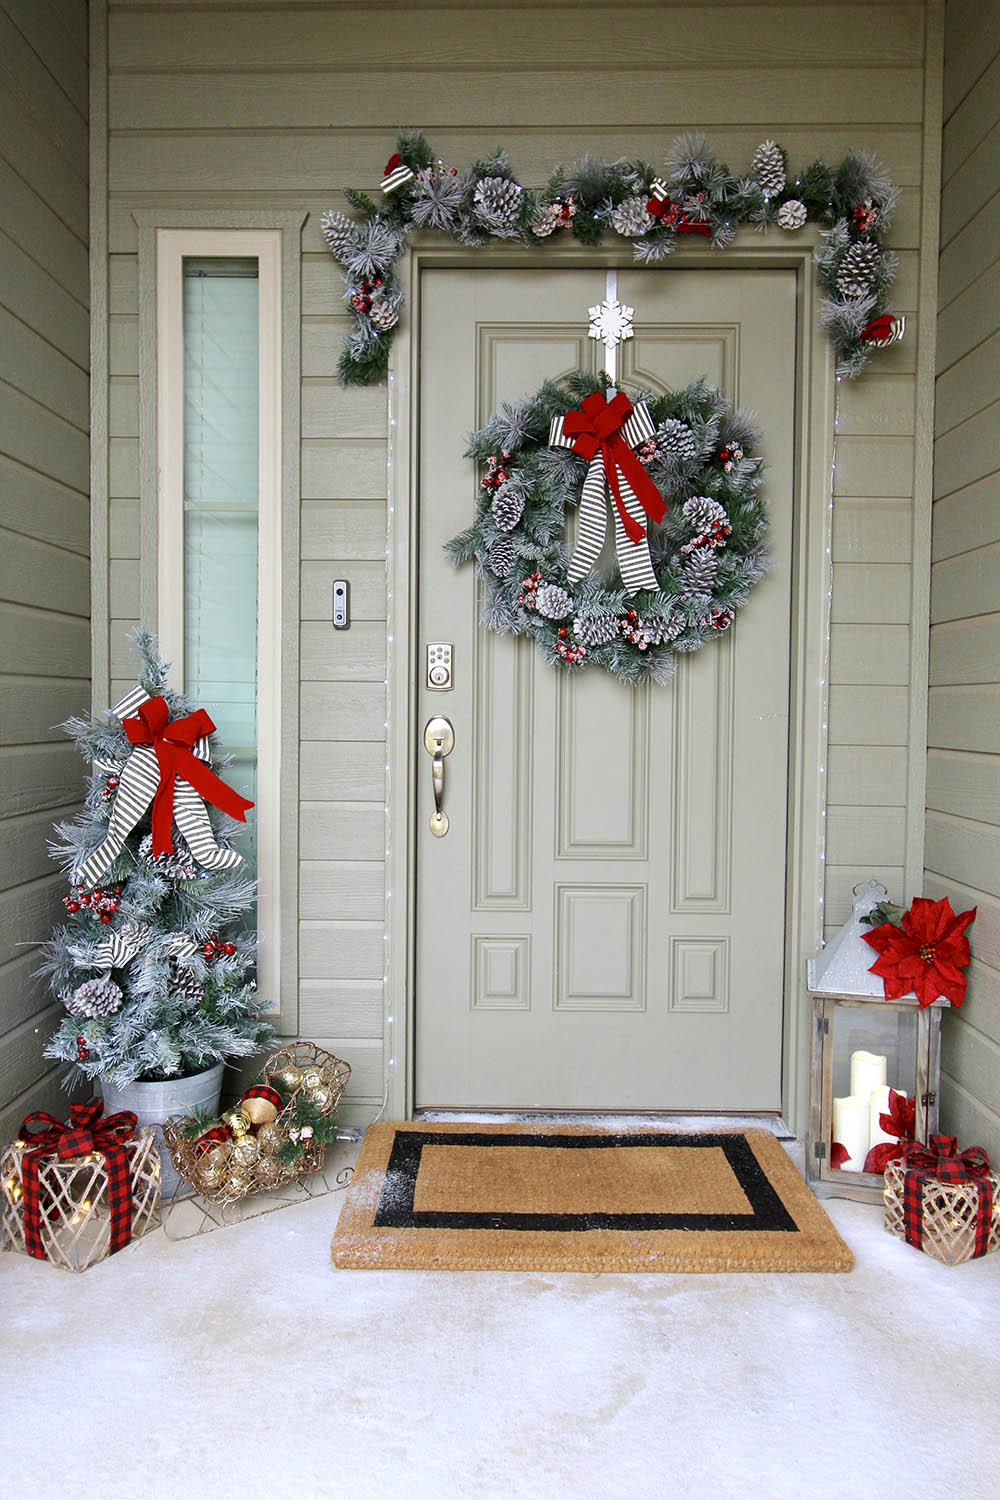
941	1161
85	1133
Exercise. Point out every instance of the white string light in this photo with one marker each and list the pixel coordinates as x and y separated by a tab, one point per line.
824	681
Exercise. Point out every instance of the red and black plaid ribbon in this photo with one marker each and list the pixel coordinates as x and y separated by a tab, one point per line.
87	1132
941	1161
263	1091
211	1138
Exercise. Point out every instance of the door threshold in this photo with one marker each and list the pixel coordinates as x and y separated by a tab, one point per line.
679	1120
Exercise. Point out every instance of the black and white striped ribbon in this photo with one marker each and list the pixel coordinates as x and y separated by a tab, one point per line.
138	782
399	175
119	948
634	562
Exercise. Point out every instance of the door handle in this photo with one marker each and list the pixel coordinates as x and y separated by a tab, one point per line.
439	741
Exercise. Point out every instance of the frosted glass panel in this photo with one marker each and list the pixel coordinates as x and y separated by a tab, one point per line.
220	506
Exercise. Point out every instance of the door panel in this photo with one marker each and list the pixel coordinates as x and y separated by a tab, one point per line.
602	927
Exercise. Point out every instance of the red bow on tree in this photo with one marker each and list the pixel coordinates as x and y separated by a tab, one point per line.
597	427
925	954
941	1161
900	1122
171	743
87	1132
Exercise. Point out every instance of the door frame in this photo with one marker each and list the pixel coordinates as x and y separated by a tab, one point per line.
811	595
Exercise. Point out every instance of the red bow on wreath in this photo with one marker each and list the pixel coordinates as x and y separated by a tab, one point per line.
87	1132
941	1161
172	745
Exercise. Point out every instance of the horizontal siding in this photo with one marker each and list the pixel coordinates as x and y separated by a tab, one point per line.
44	506
962	847
286	106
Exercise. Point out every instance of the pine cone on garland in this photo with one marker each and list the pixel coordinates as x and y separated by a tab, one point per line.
631	218
383	313
553	216
768	166
496	202
340	233
553	602
502	557
674	439
595	630
97	997
858	269
183	983
507	508
698	573
792	214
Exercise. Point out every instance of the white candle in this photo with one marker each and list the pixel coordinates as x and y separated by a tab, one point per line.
850	1129
868	1071
878	1104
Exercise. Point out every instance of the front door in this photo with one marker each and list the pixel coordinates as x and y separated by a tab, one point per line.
602	928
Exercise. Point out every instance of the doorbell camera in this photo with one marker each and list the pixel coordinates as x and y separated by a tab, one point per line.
341	604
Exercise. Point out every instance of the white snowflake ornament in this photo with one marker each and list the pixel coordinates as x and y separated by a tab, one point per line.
611	322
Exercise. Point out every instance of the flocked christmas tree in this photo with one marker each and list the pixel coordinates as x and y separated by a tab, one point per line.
155	963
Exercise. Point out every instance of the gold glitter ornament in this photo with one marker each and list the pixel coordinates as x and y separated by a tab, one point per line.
322	1097
213	1166
311	1078
245	1152
288	1080
267	1171
269	1138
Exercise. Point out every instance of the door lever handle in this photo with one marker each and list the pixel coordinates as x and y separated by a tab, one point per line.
439	741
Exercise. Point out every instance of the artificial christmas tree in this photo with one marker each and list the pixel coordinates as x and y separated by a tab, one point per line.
155	963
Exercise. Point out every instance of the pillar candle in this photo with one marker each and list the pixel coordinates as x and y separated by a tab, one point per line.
868	1071
850	1128
878	1104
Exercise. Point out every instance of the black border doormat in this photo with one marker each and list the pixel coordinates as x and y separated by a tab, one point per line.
578	1198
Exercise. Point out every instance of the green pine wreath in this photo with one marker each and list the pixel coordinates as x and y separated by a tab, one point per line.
707	553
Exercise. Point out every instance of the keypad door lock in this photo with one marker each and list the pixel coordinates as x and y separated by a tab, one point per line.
439	676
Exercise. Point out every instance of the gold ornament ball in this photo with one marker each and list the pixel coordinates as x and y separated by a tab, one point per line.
246	1152
322	1097
259	1111
213	1165
312	1078
269	1138
238	1121
288	1080
268	1171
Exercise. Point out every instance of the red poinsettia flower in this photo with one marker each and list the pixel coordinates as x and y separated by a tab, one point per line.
926	954
838	1154
900	1122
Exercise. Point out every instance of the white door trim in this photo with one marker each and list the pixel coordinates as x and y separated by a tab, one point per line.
810	643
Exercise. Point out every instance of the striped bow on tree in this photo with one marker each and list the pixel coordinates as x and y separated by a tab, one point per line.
605	434
168	767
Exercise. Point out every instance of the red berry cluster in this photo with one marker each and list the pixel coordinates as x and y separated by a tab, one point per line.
715	536
719	619
529	589
497	474
865	216
730	456
569	650
565	210
214	947
110	787
81	1048
362	299
647	452
101	904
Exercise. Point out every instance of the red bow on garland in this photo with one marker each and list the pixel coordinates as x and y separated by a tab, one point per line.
925	954
673	216
171	743
900	1122
941	1161
597	427
85	1133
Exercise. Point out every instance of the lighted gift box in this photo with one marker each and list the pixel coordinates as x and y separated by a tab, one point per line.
876	1063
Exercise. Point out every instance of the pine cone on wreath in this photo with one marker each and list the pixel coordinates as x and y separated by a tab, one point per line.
553	602
702	513
698	573
97	997
507	508
183	983
502	557
383	313
768	166
656	630
792	214
674	439
858	269
496	202
631	218
340	233
595	630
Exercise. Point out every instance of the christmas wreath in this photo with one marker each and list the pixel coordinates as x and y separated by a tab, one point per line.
698	199
678	478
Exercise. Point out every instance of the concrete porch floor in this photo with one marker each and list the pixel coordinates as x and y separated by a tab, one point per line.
242	1364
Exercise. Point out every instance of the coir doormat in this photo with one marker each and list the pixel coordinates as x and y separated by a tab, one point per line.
551	1197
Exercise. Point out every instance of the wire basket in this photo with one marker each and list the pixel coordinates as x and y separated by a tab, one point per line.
224	1171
